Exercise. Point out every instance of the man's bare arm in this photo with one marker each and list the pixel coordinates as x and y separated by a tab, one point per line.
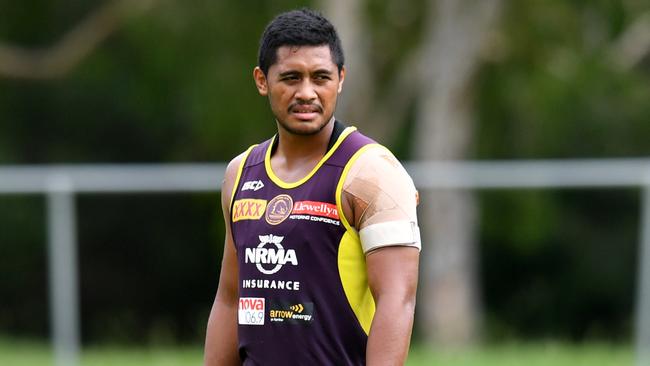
392	277
381	197
221	334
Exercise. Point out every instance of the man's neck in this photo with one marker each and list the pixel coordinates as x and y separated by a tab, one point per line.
296	155
293	147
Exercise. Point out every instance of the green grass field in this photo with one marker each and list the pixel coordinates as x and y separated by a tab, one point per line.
21	353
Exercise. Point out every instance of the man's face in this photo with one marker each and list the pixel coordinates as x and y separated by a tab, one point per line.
302	87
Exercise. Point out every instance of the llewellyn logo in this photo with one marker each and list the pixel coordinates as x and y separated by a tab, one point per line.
252	185
316	209
275	256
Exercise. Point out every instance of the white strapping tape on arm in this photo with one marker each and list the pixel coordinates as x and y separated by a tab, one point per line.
391	233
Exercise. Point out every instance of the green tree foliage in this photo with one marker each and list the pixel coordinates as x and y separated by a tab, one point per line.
175	85
561	263
553	89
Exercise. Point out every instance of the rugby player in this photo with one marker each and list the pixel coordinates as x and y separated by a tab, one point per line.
321	253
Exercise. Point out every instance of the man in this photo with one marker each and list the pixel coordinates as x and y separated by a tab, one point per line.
322	245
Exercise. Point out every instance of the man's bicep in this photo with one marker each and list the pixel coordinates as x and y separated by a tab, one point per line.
229	275
229	267
393	271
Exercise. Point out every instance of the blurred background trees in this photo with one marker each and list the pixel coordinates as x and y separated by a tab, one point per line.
161	81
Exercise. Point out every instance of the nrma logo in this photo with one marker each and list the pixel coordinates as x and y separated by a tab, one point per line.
273	257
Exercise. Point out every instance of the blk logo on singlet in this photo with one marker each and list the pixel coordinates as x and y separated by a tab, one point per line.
252	185
269	256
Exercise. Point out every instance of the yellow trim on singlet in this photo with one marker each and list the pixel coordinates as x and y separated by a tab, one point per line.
240	169
289	185
352	260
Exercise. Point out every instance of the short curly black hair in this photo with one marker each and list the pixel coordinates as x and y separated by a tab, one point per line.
303	27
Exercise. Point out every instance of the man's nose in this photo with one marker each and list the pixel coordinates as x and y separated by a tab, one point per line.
306	91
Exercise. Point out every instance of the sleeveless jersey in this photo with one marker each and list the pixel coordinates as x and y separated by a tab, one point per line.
304	295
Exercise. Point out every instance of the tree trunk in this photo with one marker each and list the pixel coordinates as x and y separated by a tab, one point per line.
348	18
360	103
449	306
62	57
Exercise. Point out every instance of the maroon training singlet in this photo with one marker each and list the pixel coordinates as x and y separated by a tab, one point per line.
303	292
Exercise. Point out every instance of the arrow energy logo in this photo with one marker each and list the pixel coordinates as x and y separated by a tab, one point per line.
285	312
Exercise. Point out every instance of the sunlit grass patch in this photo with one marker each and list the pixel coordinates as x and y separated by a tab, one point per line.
28	353
526	354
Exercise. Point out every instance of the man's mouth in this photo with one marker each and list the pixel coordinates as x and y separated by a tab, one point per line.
305	111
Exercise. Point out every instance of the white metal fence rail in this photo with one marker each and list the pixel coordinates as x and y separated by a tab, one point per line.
60	183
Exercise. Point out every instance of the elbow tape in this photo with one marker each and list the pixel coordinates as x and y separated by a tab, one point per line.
391	233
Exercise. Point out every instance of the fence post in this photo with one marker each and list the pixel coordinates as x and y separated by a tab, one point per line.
63	277
643	302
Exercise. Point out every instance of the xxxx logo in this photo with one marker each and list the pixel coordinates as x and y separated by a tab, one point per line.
248	209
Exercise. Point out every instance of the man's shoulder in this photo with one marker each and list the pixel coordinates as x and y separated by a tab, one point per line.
234	164
377	157
237	160
377	168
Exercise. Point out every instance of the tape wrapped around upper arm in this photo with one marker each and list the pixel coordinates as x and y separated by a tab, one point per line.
384	198
391	233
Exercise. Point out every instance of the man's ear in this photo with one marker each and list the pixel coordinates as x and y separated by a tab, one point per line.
260	81
341	78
